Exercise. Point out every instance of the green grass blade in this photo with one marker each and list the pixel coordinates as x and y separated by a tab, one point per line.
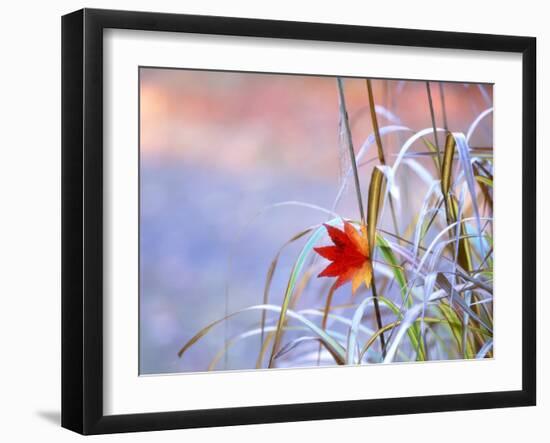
296	271
271	273
334	346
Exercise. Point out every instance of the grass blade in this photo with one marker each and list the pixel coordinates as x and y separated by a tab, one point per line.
476	123
466	162
374	120
362	152
271	273
432	114
378	138
375	192
344	124
388	255
330	342
296	271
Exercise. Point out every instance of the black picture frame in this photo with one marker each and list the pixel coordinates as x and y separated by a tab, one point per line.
82	218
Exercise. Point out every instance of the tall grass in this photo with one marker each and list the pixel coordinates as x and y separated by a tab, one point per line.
431	296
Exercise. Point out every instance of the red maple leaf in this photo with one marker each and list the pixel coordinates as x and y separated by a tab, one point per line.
349	256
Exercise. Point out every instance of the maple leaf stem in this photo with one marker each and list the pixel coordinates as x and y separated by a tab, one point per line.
345	124
378	318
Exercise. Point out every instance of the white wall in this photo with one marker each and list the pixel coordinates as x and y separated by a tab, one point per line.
30	217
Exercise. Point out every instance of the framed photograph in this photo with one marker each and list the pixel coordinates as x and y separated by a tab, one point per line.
268	221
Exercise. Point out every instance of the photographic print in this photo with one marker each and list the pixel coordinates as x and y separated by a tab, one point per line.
297	221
